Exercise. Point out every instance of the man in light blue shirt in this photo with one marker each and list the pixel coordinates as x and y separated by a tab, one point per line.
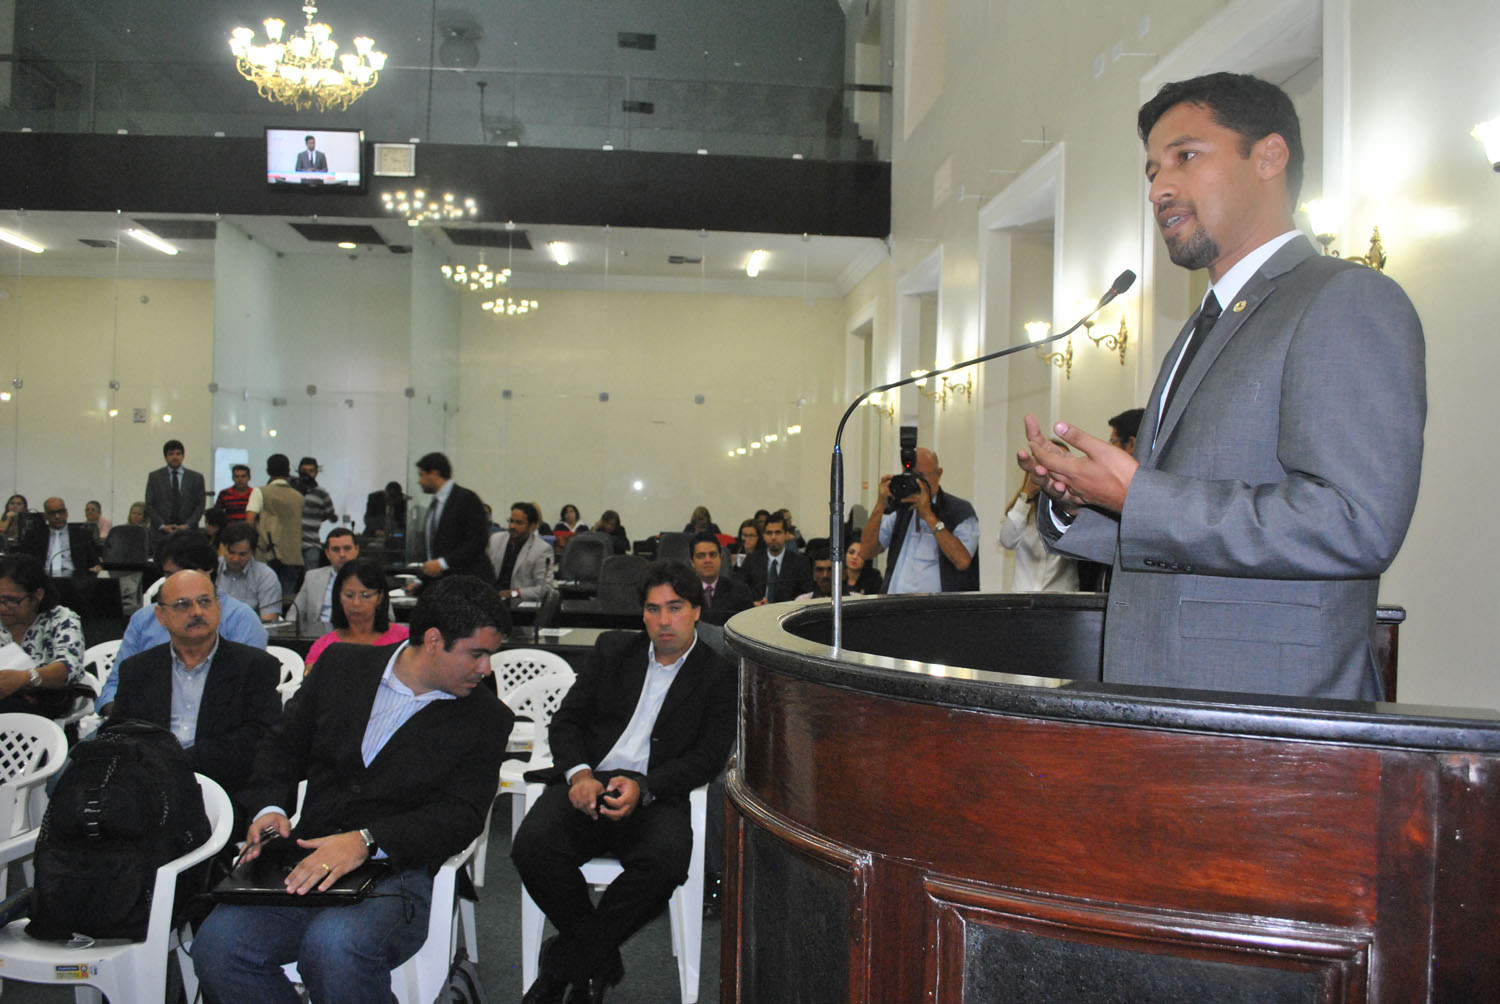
185	549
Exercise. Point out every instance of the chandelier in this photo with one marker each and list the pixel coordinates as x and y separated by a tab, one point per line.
307	71
418	208
506	307
478	279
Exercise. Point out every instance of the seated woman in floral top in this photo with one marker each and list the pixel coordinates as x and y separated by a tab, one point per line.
48	632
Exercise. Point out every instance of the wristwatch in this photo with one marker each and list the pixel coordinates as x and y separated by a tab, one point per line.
35	679
369	839
939	526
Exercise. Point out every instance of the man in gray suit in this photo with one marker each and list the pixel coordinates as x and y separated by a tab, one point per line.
313	607
1276	468
174	494
522	560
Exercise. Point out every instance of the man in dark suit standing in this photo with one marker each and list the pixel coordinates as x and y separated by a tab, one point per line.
67	552
651	722
723	595
312	159
218	698
401	751
174	494
774	573
457	532
1276	468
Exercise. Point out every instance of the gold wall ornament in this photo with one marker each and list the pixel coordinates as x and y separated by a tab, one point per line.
1111	341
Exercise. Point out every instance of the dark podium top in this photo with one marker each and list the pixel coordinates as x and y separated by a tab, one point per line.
914	820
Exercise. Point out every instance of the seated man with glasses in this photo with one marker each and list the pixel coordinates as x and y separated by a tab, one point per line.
218	697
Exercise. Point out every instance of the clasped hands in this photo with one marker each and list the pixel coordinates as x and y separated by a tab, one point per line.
585	789
1100	477
331	859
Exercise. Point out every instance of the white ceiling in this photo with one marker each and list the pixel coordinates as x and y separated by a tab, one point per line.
813	266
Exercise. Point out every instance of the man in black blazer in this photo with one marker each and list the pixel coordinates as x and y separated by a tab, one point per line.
401	751
723	596
456	530
634	735
773	572
174	494
64	551
226	700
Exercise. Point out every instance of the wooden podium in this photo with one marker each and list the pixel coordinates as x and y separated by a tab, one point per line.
910	822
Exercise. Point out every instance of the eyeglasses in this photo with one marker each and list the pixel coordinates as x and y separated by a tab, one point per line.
56	512
8	600
364	596
187	603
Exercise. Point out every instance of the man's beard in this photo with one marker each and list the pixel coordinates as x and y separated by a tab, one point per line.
1196	250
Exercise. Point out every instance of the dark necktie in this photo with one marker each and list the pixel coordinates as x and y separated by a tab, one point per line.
508	563
1206	318
773	566
176	495
708	594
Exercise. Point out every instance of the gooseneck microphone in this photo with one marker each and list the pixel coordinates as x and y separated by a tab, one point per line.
1122	282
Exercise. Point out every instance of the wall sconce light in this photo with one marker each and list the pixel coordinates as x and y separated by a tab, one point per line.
880	404
1323	215
1035	332
1488	133
948	386
1110	342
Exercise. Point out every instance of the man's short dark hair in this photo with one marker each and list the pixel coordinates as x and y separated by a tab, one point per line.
338	531
819	549
457	605
305	461
278	466
236	468
215	517
1246	105
776	517
437	464
532	513
394	488
237	531
372	576
702	537
189	549
306	138
170	445
1127	423
682	579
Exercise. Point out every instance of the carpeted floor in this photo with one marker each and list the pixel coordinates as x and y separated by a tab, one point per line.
650	970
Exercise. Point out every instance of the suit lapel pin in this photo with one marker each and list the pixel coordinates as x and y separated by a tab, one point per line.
1239	306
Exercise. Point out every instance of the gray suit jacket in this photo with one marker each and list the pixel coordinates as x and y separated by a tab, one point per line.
159	498
309	602
1278	488
532	574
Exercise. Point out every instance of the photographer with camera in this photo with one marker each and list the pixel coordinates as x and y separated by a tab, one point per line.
933	536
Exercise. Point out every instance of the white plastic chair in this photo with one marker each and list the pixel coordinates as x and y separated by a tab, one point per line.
292	667
536	699
102	658
32	749
685	907
514	667
121	970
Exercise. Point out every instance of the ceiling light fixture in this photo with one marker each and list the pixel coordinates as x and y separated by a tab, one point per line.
756	263
418	208
478	279
16	240
152	241
301	71
561	252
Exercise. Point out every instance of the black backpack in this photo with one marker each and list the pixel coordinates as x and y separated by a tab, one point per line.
126	803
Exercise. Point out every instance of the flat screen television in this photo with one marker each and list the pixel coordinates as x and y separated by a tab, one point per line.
315	159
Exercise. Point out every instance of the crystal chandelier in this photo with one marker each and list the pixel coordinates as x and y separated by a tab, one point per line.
506	307
418	208
479	279
306	71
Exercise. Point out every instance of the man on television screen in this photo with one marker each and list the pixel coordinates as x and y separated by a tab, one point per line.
312	159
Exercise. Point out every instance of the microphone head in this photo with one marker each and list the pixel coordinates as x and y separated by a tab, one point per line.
1122	282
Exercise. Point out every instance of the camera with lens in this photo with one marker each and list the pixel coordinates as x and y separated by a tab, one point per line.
908	482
